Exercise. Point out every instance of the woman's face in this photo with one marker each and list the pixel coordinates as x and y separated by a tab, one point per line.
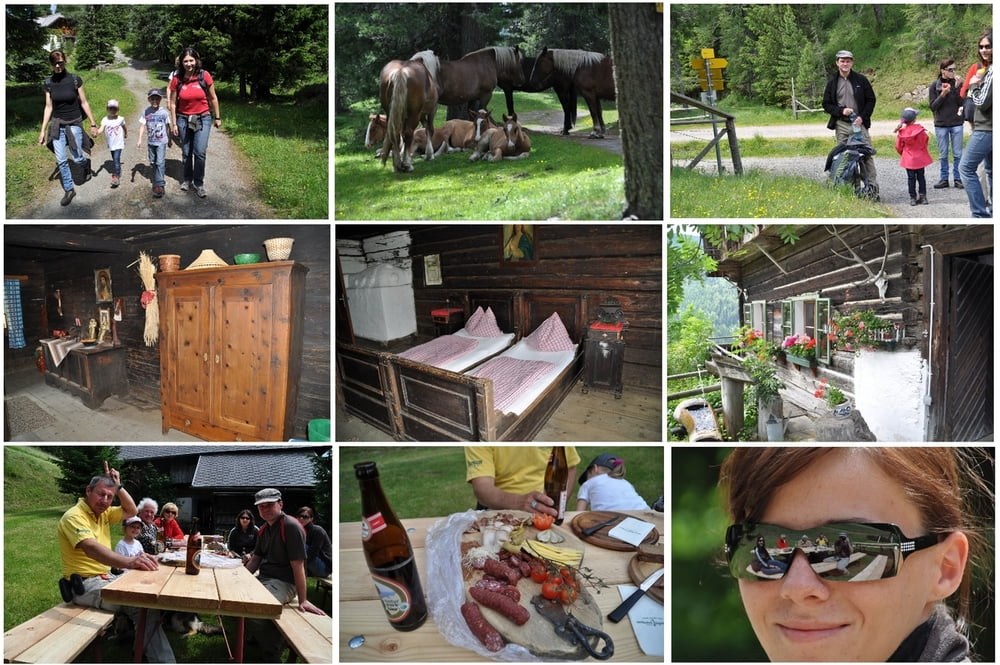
147	514
986	49
188	62
169	515
802	617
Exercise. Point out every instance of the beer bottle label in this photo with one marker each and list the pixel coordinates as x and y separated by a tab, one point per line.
372	525
394	596
562	503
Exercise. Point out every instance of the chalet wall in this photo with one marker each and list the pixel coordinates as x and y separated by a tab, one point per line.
75	278
619	261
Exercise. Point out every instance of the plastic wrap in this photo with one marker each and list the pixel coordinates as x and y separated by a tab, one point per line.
446	593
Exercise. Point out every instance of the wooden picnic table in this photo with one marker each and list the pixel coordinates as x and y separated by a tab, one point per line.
225	591
361	611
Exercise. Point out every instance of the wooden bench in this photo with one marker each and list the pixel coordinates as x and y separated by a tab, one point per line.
57	635
325	586
309	635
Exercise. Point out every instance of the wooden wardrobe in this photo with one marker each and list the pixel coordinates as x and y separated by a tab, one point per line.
231	350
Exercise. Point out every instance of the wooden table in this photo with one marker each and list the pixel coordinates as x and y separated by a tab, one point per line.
227	591
361	611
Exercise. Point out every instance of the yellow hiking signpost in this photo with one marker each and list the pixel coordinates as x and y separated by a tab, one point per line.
709	70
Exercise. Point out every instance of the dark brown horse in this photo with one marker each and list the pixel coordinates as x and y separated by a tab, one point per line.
564	91
592	74
409	97
473	77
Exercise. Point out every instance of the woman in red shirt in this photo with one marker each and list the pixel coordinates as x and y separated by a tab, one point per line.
189	96
168	521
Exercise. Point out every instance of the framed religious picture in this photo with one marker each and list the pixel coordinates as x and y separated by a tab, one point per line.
432	270
104	320
518	244
102	284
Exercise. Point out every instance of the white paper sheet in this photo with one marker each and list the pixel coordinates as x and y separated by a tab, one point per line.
631	530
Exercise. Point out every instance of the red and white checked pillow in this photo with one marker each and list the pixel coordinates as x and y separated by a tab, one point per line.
551	336
483	326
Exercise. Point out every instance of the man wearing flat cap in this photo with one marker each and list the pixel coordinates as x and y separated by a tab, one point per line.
280	557
850	100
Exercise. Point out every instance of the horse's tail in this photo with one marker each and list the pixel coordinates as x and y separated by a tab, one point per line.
396	115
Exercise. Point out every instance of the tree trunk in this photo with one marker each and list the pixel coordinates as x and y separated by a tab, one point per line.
637	48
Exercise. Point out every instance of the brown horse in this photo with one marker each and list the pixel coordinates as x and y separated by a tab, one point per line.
508	141
409	97
454	136
473	77
590	73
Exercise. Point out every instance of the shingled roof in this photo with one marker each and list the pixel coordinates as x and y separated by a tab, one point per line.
280	468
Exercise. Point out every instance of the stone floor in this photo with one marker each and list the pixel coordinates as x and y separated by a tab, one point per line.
70	420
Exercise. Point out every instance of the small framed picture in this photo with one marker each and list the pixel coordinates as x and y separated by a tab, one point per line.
102	284
432	270
518	244
105	318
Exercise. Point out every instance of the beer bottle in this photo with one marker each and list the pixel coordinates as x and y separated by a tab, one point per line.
556	481
389	555
193	565
161	540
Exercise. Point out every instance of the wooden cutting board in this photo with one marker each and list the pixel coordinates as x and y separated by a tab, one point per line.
601	538
638	571
538	634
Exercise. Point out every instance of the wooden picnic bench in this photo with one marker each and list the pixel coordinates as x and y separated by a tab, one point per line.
309	635
57	635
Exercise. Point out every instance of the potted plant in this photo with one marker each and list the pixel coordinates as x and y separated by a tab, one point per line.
861	330
835	398
800	350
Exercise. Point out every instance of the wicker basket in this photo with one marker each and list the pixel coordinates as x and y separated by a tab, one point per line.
207	259
278	249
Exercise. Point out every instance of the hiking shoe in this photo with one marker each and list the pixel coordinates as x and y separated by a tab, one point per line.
114	181
201	192
959	185
923	199
157	192
67	197
186	185
942	185
913	201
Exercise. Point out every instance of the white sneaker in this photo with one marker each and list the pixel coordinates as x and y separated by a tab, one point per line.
201	192
186	185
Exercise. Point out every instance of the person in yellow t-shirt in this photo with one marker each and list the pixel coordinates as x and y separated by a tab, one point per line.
512	477
87	558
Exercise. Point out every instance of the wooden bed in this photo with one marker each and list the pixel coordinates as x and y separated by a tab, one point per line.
416	402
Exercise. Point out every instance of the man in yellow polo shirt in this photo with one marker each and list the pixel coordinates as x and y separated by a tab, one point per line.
513	477
87	557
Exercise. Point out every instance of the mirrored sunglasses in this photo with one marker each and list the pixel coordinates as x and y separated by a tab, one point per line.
839	551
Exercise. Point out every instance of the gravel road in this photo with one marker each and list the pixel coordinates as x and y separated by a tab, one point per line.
232	194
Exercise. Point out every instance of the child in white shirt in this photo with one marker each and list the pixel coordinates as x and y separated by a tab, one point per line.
604	487
113	126
129	545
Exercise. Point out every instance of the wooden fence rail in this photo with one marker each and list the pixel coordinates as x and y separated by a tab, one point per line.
730	131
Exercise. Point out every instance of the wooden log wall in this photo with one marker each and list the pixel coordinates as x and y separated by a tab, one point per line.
75	278
32	304
619	261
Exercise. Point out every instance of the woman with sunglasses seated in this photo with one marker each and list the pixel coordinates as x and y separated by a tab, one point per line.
904	514
171	529
764	563
243	537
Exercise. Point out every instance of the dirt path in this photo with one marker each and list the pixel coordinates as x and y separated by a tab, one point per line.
551	122
232	194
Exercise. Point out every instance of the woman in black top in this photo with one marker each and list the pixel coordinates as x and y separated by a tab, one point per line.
65	106
243	537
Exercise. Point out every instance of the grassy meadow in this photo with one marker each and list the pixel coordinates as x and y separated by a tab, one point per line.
561	179
425	481
32	565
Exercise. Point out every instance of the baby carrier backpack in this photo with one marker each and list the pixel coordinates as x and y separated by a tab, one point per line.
846	165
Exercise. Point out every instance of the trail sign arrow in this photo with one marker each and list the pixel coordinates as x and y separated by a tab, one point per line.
717	63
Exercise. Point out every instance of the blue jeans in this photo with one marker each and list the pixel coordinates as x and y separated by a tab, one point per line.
59	147
946	136
978	149
116	162
158	160
194	145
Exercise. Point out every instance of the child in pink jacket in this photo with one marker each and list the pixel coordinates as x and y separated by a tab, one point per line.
911	143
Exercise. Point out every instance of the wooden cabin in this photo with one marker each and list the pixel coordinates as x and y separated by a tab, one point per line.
403	285
932	283
238	352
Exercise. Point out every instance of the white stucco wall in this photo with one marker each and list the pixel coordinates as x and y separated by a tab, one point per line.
889	391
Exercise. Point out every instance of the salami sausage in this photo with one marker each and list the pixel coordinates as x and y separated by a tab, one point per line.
502	571
481	628
500	587
502	604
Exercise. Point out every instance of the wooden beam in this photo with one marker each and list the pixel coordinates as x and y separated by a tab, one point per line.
29	236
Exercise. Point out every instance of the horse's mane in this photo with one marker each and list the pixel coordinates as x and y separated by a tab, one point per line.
569	60
430	62
507	63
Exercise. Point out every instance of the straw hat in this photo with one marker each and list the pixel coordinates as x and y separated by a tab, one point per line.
207	259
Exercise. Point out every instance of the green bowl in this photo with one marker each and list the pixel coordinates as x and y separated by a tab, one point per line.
247	258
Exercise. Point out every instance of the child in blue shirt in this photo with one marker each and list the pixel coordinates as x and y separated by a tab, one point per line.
154	122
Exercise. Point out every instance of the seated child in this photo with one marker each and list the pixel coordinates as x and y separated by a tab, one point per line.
129	545
604	487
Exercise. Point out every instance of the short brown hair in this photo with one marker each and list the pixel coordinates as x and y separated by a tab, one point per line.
947	62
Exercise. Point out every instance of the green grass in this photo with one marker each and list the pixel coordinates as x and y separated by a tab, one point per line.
32	565
560	179
430	481
758	194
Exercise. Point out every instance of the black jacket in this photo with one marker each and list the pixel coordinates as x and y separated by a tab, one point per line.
864	95
946	108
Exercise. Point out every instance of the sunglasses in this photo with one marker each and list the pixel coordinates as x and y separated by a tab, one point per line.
244	517
839	551
59	63
304	517
949	69
982	46
169	512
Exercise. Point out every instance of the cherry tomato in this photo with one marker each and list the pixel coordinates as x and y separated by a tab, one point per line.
569	578
567	595
551	589
539	573
542	521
